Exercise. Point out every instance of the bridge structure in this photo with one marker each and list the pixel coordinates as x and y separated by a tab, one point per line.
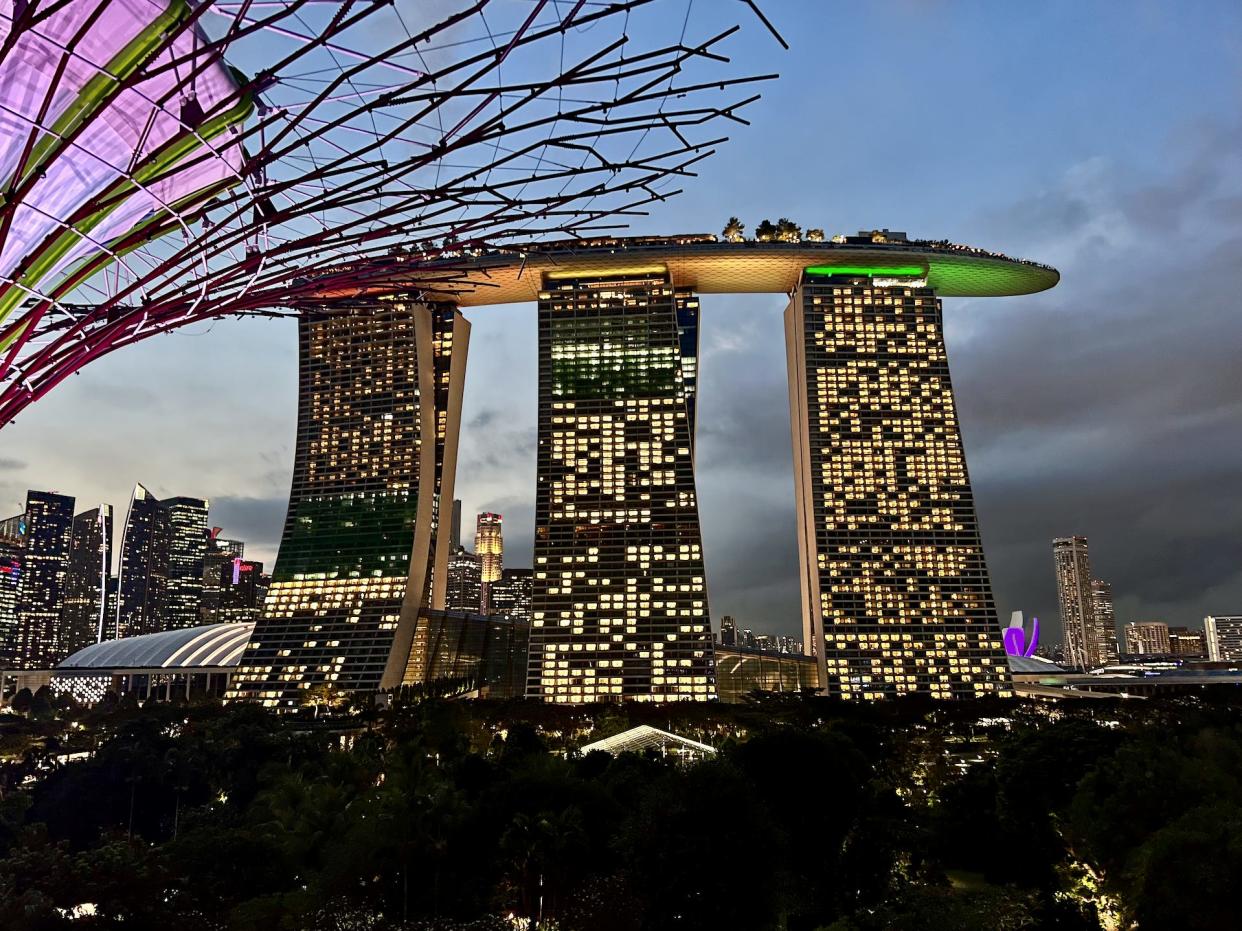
895	589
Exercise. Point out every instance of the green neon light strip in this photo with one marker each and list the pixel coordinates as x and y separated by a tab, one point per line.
883	271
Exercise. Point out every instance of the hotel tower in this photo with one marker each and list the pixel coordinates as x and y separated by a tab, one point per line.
895	589
380	390
619	604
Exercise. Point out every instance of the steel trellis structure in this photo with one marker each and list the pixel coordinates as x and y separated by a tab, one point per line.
164	162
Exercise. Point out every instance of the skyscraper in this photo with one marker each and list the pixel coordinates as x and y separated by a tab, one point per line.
41	591
455	528
83	620
379	406
240	585
187	547
464	589
1078	623
489	547
1148	638
620	601
143	578
12	544
1223	635
895	588
217	570
511	595
1186	642
1105	621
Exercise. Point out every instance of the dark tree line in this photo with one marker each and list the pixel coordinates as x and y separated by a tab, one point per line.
456	815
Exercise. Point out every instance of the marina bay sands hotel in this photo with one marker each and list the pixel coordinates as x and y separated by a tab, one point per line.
896	597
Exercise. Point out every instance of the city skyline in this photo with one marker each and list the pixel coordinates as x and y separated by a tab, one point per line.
1065	432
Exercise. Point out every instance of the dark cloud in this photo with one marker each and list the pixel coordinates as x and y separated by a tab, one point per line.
1112	406
11	465
483	419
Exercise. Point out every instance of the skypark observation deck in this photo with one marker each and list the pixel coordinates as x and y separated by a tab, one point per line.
697	262
895	588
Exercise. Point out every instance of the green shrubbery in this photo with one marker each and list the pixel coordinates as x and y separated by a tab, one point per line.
456	815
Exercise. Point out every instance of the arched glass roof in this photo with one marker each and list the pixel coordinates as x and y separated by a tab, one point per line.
212	645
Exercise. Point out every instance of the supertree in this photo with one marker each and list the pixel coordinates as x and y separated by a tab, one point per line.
168	161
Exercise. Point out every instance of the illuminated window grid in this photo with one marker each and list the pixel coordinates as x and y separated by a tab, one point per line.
902	583
344	563
619	597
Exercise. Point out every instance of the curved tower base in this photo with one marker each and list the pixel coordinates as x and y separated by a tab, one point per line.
379	406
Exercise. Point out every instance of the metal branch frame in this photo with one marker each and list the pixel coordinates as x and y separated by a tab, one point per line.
206	159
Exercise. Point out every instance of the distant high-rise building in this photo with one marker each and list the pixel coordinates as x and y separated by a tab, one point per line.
728	631
240	587
1078	623
463	592
789	645
143	577
12	543
1148	638
620	596
1186	642
489	546
895	588
45	567
187	546
83	618
1105	619
455	527
217	568
511	595
1223	634
362	555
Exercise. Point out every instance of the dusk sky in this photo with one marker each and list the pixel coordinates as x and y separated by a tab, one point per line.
1102	138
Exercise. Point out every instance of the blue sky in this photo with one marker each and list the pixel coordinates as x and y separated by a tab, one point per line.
1103	138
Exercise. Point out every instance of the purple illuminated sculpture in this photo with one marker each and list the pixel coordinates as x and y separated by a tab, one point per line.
1015	636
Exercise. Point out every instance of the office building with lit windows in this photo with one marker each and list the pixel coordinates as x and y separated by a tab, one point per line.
83	617
1222	635
1148	638
897	598
619	601
217	572
361	555
187	548
489	547
1077	600
143	578
464	589
12	543
1186	642
44	570
511	596
1105	619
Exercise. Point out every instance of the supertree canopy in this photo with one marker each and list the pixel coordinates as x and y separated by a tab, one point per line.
167	161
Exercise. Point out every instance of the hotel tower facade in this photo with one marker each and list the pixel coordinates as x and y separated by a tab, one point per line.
380	390
619	601
895	589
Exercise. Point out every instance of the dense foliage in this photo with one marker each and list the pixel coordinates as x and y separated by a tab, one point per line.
458	815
